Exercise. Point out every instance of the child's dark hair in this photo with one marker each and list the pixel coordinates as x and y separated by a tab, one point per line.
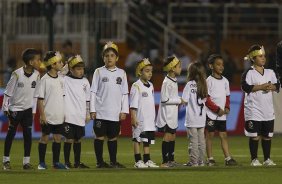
168	60
107	50
29	54
251	49
213	57
48	56
196	72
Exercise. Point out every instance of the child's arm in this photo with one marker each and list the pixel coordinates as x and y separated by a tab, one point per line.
165	96
93	91
133	113
247	88
41	111
9	92
213	107
227	105
88	117
186	94
124	107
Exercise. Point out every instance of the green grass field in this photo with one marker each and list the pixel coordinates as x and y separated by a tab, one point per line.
218	174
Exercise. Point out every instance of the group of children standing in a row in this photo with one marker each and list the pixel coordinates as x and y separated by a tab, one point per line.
66	102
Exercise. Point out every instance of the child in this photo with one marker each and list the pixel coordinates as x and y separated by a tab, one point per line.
19	105
142	109
258	84
194	95
51	108
76	101
218	103
109	105
167	119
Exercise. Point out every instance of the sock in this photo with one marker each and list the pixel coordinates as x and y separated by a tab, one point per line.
165	151
27	141
42	152
266	146
98	147
171	150
9	140
146	157
26	160
6	159
227	158
77	152
67	149
56	148
112	148
137	157
253	145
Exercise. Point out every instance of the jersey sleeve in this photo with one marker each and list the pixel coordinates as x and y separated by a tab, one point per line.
134	96
227	87
166	98
41	89
87	91
95	81
275	81
124	84
186	93
11	85
245	83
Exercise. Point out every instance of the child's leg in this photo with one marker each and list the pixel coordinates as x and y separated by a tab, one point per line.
136	148
98	147
42	146
201	144
27	144
9	140
224	144
67	149
209	137
194	151
165	147
146	148
77	151
266	147
253	146
171	147
56	147
112	148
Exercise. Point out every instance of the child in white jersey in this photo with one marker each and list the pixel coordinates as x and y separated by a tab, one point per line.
109	105
218	103
194	95
51	108
142	109
76	101
167	119
19	104
258	84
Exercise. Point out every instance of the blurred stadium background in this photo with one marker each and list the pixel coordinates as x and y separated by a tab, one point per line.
190	29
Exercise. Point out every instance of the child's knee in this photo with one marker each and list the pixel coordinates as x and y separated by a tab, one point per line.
223	135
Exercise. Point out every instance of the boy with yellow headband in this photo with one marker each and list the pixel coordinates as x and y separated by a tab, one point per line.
167	119
259	84
51	107
142	109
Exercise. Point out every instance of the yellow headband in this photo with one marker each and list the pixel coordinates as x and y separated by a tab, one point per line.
75	60
172	64
110	45
255	53
141	65
58	57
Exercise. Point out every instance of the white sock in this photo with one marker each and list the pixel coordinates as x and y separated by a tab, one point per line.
228	158
211	158
26	160
6	159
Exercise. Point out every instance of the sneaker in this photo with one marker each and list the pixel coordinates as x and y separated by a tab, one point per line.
165	165
191	164
116	165
27	166
68	165
59	165
255	162
150	163
230	162
81	166
211	162
140	164
269	162
103	165
201	163
174	164
6	165
41	166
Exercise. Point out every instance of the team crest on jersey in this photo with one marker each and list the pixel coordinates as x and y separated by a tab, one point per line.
20	85
144	94
210	123
119	80
105	79
98	124
33	84
250	125
67	128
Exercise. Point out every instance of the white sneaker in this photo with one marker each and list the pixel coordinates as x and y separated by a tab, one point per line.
150	163
269	162
140	164
255	162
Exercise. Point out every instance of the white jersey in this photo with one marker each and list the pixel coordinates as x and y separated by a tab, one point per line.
51	91
109	93
142	99
195	109
77	94
21	90
168	108
218	90
258	106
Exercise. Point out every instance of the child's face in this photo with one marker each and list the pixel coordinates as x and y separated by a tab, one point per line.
77	71
146	73
110	59
58	66
217	67
260	60
177	69
35	62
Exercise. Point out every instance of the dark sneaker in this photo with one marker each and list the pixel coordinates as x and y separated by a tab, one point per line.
59	165
230	162
41	166
68	166
27	166
211	162
103	165
6	165
81	166
174	164
117	165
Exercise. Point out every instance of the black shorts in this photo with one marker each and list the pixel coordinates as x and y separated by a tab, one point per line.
71	131
107	128
259	128
167	129
215	125
147	136
47	129
24	118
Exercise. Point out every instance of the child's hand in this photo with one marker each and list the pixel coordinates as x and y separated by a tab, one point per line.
7	113
221	112
93	115
265	87
88	118
43	119
182	102
122	116
134	122
272	87
226	111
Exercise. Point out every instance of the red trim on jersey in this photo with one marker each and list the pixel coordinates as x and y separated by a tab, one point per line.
227	103
211	105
